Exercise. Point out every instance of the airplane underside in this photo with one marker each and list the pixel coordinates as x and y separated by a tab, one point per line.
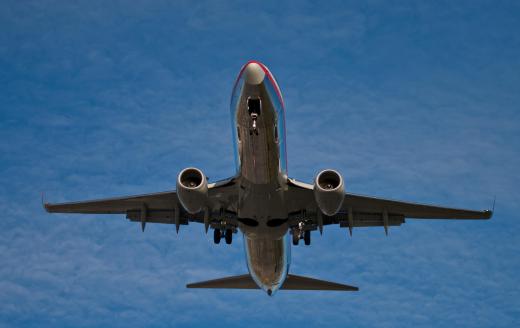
260	200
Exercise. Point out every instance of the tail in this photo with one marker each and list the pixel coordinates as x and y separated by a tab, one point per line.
293	282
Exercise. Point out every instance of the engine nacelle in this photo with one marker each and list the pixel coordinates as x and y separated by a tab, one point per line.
192	189
329	191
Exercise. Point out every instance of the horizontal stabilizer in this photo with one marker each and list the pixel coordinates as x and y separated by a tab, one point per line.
234	282
293	282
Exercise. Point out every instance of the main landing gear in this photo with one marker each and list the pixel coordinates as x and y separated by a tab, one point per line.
307	237
216	236
228	236
298	234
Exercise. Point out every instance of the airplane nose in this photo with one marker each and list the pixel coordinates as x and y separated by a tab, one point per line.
253	74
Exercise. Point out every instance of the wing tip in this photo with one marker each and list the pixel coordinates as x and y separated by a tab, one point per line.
50	207
45	205
489	213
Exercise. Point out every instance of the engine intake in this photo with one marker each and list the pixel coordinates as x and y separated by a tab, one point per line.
329	191
192	189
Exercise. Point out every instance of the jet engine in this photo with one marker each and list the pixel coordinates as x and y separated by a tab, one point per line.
192	189
329	191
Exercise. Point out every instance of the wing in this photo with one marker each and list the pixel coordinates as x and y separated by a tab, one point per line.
162	207
365	211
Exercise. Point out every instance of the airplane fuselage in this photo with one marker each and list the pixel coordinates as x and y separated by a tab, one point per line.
258	123
260	200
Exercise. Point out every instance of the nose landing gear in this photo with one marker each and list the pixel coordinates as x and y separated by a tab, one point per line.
254	106
254	130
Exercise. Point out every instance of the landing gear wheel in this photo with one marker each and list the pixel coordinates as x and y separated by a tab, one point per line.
295	238
229	236
307	237
216	236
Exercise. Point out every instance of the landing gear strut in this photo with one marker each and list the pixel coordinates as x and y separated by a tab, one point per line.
253	129
254	106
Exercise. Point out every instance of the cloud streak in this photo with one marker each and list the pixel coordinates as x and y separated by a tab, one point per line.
412	101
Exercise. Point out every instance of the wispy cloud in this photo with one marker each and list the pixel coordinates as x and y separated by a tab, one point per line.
412	101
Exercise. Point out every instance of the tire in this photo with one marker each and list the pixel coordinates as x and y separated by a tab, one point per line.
307	237
216	236
295	238
229	236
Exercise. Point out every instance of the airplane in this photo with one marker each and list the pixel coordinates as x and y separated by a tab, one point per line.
261	201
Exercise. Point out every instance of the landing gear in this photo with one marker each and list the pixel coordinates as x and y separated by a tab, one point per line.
229	236
307	237
300	233
216	236
253	129
295	238
254	106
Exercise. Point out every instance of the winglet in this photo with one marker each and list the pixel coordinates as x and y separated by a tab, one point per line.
489	213
44	203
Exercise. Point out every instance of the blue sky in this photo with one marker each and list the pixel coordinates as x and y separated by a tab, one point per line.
409	100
